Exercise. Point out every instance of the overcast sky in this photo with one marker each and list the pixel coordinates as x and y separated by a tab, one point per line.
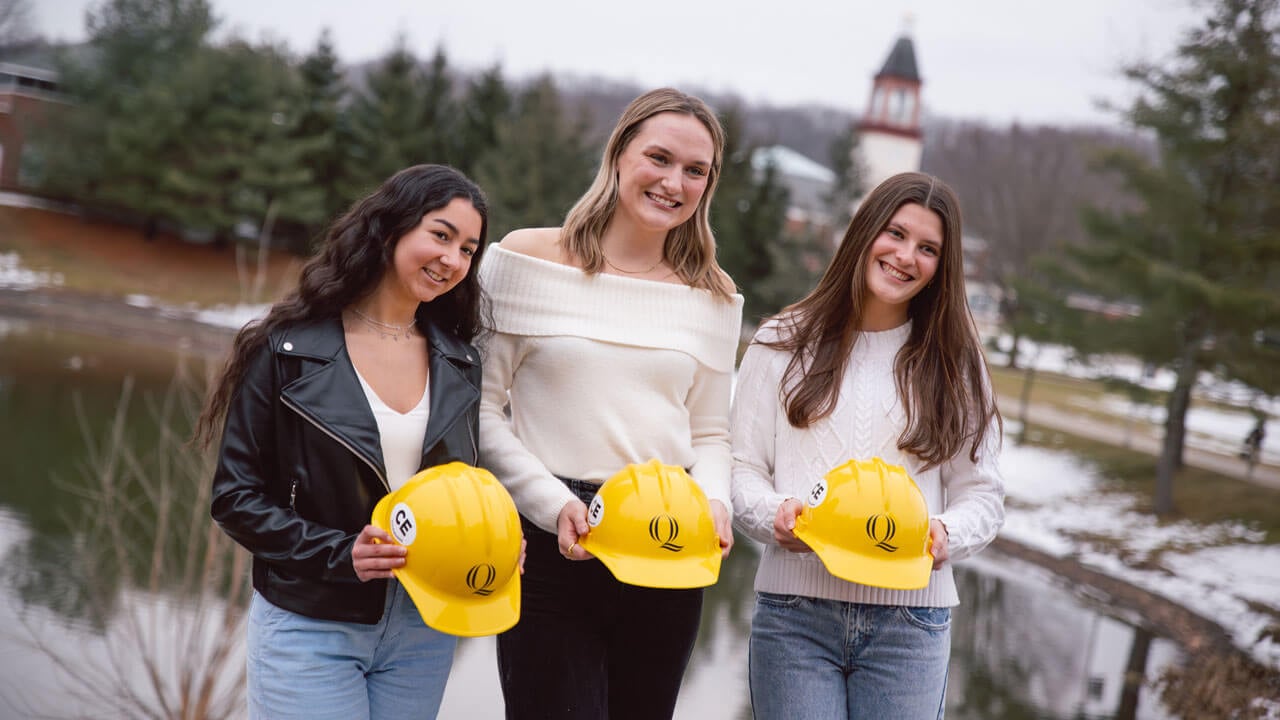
998	60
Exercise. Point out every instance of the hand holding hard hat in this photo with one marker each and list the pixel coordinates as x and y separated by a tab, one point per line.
869	523
652	526
463	545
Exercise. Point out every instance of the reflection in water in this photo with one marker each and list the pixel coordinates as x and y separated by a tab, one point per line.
1022	647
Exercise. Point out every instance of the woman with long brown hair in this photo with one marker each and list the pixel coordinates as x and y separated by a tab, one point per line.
614	342
881	359
360	378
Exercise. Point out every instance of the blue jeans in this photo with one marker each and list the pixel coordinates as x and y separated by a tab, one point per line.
300	667
814	659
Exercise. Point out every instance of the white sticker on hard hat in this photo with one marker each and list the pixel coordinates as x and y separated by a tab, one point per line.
404	527
595	513
817	494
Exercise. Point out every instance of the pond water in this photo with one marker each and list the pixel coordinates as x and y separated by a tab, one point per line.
76	633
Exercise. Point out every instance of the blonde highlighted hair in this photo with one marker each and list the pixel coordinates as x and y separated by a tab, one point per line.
691	247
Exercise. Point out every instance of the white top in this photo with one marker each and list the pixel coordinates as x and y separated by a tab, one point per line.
401	434
773	461
601	371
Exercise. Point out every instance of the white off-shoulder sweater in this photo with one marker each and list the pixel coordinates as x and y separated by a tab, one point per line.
601	371
774	461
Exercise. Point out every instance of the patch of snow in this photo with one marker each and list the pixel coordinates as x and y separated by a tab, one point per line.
15	277
1217	570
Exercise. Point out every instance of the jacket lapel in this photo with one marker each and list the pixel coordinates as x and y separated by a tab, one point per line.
452	392
328	393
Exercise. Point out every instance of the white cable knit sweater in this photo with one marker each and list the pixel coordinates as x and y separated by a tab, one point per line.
774	461
601	371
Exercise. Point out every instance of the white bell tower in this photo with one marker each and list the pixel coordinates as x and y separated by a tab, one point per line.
889	137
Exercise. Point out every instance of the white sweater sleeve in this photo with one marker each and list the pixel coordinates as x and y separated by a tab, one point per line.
753	429
537	493
974	497
708	406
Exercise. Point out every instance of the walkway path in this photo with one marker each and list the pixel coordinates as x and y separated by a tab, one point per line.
1092	428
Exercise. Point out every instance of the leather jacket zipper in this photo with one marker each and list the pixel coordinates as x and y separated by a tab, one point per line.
338	440
293	495
475	449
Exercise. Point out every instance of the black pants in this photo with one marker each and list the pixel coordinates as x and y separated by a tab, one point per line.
589	647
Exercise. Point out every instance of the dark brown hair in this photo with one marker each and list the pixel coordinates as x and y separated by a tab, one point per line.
358	249
940	373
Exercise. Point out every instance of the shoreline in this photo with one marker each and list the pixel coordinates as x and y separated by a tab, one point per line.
112	317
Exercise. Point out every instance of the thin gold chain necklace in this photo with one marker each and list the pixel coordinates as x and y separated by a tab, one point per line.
650	269
387	330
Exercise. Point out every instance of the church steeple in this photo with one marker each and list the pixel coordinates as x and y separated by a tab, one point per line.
894	106
889	136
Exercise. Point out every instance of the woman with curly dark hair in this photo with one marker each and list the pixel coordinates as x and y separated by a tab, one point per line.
357	380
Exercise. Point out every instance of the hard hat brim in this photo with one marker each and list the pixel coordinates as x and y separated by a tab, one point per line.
855	567
465	617
665	573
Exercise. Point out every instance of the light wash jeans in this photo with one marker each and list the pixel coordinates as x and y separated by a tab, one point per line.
814	659
300	667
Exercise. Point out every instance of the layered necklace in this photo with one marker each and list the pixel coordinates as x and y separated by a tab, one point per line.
388	330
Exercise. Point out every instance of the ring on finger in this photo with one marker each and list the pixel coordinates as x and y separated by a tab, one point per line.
569	550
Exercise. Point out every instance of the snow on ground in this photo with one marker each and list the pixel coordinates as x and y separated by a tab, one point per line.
1216	570
1062	360
14	276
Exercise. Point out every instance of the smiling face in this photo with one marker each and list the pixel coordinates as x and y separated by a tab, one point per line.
663	172
432	258
901	261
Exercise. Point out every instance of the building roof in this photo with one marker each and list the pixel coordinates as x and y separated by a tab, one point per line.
901	62
790	163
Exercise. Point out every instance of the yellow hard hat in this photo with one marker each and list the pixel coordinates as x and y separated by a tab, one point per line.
869	523
651	526
463	537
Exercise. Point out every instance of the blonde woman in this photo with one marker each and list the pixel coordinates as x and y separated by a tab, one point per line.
614	342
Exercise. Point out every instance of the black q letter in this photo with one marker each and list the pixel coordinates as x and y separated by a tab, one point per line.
882	528
664	530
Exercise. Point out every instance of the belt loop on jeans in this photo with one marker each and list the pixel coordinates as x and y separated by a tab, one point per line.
583	489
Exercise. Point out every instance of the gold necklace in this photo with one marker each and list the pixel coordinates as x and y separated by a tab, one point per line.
387	330
650	269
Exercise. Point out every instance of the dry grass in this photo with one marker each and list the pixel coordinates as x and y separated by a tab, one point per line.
115	260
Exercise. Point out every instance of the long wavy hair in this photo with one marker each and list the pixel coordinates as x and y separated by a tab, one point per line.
357	252
940	373
691	247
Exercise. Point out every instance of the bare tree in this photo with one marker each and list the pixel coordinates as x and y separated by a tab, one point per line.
153	571
1021	189
15	22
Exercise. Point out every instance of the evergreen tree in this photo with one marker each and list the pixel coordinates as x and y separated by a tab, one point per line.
241	168
486	105
319	127
539	166
126	123
1199	254
848	183
391	120
748	214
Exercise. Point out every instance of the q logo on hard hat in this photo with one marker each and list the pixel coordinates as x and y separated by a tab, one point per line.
658	531
480	577
463	571
882	528
664	529
868	522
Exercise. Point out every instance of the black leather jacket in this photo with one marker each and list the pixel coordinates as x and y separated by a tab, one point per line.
300	467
